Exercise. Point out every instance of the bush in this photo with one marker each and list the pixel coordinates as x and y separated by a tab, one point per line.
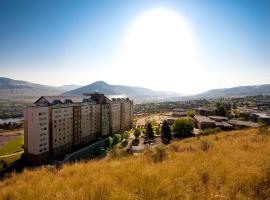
116	139
210	131
205	145
174	147
183	127
159	155
109	142
125	135
137	133
191	113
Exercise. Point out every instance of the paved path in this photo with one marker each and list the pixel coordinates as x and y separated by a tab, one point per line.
4	156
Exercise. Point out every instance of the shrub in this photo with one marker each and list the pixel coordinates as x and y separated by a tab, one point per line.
116	139
191	113
205	145
174	147
109	142
183	127
210	131
137	133
117	152
125	135
159	155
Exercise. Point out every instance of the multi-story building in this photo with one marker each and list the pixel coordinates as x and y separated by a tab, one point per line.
36	133
57	125
126	114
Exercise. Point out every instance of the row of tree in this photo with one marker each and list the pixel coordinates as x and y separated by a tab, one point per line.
181	128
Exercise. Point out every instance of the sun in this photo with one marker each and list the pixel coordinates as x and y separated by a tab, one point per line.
157	41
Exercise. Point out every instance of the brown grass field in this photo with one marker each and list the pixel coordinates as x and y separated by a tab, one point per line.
229	165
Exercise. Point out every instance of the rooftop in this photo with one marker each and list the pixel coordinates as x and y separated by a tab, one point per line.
201	119
218	118
243	123
262	115
63	99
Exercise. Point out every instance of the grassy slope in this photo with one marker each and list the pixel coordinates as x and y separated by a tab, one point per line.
237	166
12	146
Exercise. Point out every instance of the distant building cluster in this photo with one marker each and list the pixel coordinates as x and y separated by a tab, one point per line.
57	125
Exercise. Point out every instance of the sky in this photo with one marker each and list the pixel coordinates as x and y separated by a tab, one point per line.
187	46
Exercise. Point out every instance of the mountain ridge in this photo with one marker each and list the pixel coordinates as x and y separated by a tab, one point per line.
238	91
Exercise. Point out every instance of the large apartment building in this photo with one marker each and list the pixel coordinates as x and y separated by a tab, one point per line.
58	125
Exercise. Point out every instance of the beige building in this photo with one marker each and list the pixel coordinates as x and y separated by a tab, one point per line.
126	114
58	125
36	132
62	129
121	112
89	126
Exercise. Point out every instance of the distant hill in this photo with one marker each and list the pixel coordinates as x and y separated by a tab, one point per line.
236	91
137	93
10	88
68	87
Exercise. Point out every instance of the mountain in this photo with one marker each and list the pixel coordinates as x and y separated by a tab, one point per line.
137	93
68	87
10	88
236	91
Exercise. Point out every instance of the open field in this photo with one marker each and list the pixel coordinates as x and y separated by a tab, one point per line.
230	165
8	135
12	146
159	118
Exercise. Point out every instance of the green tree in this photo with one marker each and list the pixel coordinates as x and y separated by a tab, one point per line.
116	139
166	135
109	142
183	127
190	113
137	133
149	133
220	110
157	130
125	135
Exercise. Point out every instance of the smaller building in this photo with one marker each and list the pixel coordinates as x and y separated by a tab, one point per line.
224	125
261	117
243	124
179	112
205	111
203	122
218	118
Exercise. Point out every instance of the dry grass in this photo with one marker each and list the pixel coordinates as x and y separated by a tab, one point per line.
237	166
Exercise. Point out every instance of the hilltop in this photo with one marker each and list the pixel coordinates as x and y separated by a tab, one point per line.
137	93
229	165
10	88
240	91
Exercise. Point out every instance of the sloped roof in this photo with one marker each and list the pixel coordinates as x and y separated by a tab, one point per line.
52	99
201	119
117	97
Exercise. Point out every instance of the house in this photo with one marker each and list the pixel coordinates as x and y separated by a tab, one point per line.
243	124
203	122
218	118
205	111
179	112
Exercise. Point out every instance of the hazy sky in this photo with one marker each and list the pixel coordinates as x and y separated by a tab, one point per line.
186	46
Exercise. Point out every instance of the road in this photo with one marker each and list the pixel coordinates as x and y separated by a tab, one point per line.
13	154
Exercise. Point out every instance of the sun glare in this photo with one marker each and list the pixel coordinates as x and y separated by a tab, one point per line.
158	41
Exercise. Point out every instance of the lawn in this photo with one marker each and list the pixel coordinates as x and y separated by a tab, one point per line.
12	146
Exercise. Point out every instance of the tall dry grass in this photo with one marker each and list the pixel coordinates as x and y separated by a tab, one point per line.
235	166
